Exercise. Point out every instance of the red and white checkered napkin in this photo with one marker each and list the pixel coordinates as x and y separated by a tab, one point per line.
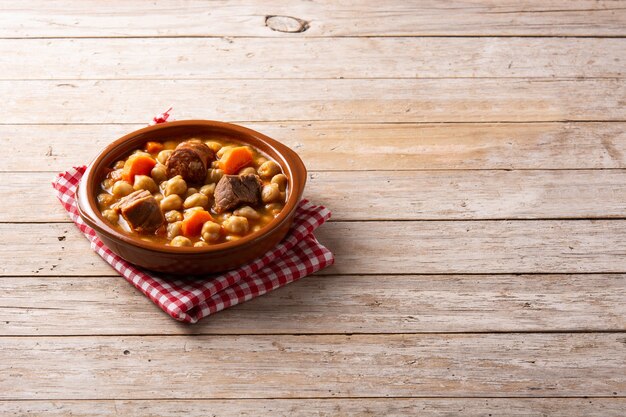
298	255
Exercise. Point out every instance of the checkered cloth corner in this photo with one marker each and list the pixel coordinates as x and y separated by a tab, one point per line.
298	255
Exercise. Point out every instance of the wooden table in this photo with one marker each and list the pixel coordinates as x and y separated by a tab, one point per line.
472	153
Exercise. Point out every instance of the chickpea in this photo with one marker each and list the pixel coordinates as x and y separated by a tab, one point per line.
116	175
122	188
214	146
163	156
144	182
270	193
280	180
111	215
171	202
188	212
247	170
247	212
200	244
170	144
214	175
158	197
181	241
236	224
174	229
223	216
190	191
196	200
211	231
119	165
173	216
260	160
107	183
222	150
159	173
105	199
175	185
215	164
208	189
266	219
268	169
274	208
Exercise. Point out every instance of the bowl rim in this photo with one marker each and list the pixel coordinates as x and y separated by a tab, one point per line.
297	175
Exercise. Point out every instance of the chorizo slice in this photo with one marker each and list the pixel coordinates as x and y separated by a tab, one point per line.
190	160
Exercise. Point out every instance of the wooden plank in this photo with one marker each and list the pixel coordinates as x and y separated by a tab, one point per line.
425	247
498	365
415	195
194	58
396	407
328	304
346	146
451	195
477	247
372	100
322	18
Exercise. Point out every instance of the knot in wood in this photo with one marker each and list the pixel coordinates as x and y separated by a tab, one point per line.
286	24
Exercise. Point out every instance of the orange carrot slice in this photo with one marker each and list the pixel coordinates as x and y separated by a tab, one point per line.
192	225
234	159
154	147
137	164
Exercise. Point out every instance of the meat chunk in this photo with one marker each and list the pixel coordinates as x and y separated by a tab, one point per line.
233	190
141	211
190	160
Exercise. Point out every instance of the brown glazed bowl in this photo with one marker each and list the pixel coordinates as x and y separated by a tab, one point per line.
191	260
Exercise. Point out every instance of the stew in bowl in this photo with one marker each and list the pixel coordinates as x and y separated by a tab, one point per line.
192	192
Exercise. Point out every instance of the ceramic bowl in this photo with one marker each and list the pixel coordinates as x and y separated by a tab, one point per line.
190	260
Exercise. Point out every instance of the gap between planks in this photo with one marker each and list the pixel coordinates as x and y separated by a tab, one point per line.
226	38
364	123
347	398
295	334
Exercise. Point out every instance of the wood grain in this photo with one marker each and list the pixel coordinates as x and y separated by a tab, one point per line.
425	247
328	304
325	18
422	124
477	247
527	365
194	58
348	146
389	407
372	100
416	195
